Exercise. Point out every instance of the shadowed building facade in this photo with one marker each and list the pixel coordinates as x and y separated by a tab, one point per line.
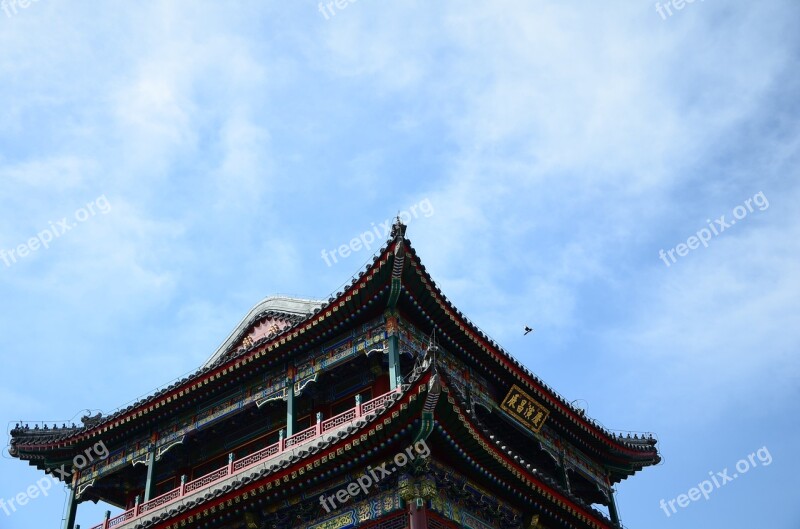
307	399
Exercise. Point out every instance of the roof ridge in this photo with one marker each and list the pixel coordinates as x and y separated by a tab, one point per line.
282	304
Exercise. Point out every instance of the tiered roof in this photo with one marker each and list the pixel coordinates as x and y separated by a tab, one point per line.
279	328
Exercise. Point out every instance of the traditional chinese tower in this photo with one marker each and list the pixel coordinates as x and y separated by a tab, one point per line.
306	397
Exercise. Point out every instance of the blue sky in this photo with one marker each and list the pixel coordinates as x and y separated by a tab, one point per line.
560	146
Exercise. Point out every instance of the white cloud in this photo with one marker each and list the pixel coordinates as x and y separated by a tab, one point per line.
244	176
53	174
562	148
722	322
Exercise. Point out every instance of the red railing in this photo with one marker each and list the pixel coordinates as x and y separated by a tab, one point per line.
342	418
248	461
257	457
122	518
377	402
200	482
301	437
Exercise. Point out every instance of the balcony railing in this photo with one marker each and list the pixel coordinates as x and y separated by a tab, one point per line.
245	463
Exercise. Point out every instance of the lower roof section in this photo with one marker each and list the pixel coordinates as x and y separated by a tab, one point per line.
298	460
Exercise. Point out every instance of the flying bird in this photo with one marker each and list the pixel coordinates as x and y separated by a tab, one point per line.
527	330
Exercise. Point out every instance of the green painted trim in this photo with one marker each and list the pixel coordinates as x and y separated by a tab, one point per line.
291	422
69	521
394	363
612	508
394	293
425	428
151	465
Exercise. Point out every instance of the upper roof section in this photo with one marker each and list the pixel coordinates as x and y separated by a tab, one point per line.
277	329
291	310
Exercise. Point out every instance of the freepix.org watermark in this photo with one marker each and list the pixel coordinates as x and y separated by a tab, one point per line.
703	235
378	233
665	10
54	231
98	452
718	480
10	6
373	475
327	8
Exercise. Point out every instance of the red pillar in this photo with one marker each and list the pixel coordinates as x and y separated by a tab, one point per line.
418	519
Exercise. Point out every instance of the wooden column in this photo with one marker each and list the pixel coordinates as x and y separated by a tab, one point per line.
415	493
417	515
392	329
564	476
69	521
394	363
290	409
612	508
151	465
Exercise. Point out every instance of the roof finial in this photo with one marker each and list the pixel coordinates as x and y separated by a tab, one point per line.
398	228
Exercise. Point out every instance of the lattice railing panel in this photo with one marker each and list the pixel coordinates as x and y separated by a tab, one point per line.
301	437
208	478
335	422
398	522
122	518
161	500
264	453
375	403
434	522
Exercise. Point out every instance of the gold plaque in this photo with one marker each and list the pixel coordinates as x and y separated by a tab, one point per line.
524	408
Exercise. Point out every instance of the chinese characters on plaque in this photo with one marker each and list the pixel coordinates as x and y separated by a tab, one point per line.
523	408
